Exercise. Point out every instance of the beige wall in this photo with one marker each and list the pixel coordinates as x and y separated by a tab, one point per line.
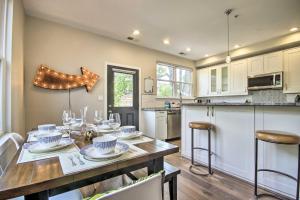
67	49
283	41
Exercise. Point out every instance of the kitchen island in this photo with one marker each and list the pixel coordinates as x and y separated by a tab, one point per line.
234	136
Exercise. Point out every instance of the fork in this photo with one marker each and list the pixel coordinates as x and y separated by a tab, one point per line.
79	159
72	160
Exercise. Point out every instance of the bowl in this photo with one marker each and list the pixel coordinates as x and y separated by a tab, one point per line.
46	128
128	129
49	139
105	144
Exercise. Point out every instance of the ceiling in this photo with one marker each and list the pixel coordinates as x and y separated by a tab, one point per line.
198	24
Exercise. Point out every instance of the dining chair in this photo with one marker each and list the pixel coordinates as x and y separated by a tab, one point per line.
9	145
146	188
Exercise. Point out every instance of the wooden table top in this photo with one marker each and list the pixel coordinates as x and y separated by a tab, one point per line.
32	177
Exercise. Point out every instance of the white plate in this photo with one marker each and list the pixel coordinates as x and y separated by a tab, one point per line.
89	152
36	147
128	136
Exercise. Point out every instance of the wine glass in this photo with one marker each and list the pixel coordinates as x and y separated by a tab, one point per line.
67	121
114	120
97	117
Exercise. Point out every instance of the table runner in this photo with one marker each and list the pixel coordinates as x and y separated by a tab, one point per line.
68	167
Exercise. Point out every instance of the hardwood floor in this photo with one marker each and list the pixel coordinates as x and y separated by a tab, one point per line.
219	186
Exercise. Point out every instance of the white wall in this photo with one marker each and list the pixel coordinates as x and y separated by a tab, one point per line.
66	49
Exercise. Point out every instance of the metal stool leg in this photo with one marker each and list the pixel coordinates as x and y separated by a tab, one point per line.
255	176
209	153
298	175
192	131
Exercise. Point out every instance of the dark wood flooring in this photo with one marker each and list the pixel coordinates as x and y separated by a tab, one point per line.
219	186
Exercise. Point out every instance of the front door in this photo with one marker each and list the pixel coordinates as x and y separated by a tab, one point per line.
123	94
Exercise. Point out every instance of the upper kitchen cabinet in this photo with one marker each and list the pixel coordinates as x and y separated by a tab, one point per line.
238	78
203	82
219	80
264	64
273	62
291	71
255	65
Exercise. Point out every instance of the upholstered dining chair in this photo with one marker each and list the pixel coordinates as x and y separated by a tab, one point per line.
146	188
9	145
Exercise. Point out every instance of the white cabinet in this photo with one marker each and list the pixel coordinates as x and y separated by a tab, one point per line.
291	71
154	124
203	82
255	65
238	78
219	80
273	62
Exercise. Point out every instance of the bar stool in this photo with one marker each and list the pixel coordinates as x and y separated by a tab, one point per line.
277	137
201	126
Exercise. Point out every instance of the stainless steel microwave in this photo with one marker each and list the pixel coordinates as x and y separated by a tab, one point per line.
266	81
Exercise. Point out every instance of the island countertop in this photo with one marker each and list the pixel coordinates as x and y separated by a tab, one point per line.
241	104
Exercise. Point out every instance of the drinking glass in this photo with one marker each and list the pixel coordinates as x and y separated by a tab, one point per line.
97	117
67	121
114	120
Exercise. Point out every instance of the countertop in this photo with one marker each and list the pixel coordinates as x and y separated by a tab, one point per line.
240	104
161	109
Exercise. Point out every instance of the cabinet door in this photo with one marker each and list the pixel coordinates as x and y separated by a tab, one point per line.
161	127
273	62
234	138
203	82
255	65
224	80
213	81
291	71
238	78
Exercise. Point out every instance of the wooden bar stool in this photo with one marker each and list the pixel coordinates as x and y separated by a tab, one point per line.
277	137
201	126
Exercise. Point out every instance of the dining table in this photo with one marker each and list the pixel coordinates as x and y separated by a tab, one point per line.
44	178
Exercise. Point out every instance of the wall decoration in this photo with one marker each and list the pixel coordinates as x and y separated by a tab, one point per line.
51	79
148	85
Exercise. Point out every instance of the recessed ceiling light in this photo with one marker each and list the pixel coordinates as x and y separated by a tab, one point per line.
206	55
136	32
188	49
166	41
236	46
294	29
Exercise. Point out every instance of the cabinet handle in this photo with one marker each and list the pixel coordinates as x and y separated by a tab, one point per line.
212	111
207	114
285	85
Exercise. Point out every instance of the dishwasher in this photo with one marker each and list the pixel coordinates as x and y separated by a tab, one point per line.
174	124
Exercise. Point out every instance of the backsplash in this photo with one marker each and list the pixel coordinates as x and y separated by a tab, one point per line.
259	96
150	101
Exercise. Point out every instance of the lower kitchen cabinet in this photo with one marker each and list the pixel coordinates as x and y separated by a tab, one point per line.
234	137
154	124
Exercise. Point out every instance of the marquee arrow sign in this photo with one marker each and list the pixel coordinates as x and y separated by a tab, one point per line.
51	79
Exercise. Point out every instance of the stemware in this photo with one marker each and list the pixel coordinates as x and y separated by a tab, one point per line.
114	120
97	117
67	121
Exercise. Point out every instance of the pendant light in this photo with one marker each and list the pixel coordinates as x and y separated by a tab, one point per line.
227	13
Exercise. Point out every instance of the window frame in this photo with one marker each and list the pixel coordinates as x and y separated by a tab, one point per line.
174	82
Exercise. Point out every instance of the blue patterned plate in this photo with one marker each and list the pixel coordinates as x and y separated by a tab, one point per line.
89	152
128	136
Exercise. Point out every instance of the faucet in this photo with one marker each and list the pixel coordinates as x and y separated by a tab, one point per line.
180	98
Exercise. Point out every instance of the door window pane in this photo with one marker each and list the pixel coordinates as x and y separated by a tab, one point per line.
213	80
164	89
164	72
123	90
224	79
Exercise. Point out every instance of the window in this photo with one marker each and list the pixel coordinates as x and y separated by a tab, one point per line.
173	81
2	60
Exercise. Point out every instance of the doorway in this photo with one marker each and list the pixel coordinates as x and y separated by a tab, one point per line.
123	94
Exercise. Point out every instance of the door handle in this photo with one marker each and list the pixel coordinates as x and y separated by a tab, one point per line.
207	114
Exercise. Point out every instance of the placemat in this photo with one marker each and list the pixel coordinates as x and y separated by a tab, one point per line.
82	164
